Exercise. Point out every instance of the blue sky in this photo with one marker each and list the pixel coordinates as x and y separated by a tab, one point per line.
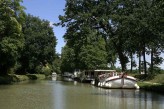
48	10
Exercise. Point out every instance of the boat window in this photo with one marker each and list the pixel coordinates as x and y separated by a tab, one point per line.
92	74
86	73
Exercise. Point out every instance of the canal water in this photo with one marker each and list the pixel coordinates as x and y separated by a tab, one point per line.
72	95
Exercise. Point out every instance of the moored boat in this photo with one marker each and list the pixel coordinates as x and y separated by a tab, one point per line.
89	76
118	81
67	76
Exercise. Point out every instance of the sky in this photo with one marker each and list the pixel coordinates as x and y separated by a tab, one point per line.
48	10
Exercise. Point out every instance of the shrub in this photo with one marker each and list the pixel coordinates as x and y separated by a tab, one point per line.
46	69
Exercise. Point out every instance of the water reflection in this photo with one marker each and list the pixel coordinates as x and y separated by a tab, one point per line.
54	78
130	99
74	95
85	96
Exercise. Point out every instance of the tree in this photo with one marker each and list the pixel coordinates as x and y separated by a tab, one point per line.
11	38
98	15
67	59
111	55
84	50
56	64
92	57
93	54
148	29
129	26
40	44
156	46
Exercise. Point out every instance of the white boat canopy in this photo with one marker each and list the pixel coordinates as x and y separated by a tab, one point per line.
105	70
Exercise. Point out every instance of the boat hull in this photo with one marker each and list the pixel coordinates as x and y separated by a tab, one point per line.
127	82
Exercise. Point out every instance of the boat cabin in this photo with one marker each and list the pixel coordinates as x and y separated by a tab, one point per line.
89	75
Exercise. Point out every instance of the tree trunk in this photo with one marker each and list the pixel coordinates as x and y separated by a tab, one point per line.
131	56
144	59
152	64
123	59
139	57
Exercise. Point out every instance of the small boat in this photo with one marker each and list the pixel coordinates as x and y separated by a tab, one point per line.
67	76
118	81
87	76
77	74
54	76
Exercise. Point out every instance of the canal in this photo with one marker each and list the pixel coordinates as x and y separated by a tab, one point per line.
72	95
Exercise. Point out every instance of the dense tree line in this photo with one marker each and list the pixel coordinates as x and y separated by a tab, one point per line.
27	43
39	46
100	31
83	51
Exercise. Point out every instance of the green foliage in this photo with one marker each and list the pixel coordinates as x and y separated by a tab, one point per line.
158	78
93	55
85	49
40	44
9	79
38	69
36	76
25	41
162	71
151	86
67	59
56	64
19	78
46	69
128	27
11	38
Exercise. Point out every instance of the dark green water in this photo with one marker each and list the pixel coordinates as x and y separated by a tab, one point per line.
70	95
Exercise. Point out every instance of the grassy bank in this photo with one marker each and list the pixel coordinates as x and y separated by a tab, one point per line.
152	86
8	79
153	83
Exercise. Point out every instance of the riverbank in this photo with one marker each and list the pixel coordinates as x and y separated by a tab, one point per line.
156	87
155	83
12	78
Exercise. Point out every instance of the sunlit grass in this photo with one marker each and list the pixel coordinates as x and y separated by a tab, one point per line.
158	79
154	84
8	79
